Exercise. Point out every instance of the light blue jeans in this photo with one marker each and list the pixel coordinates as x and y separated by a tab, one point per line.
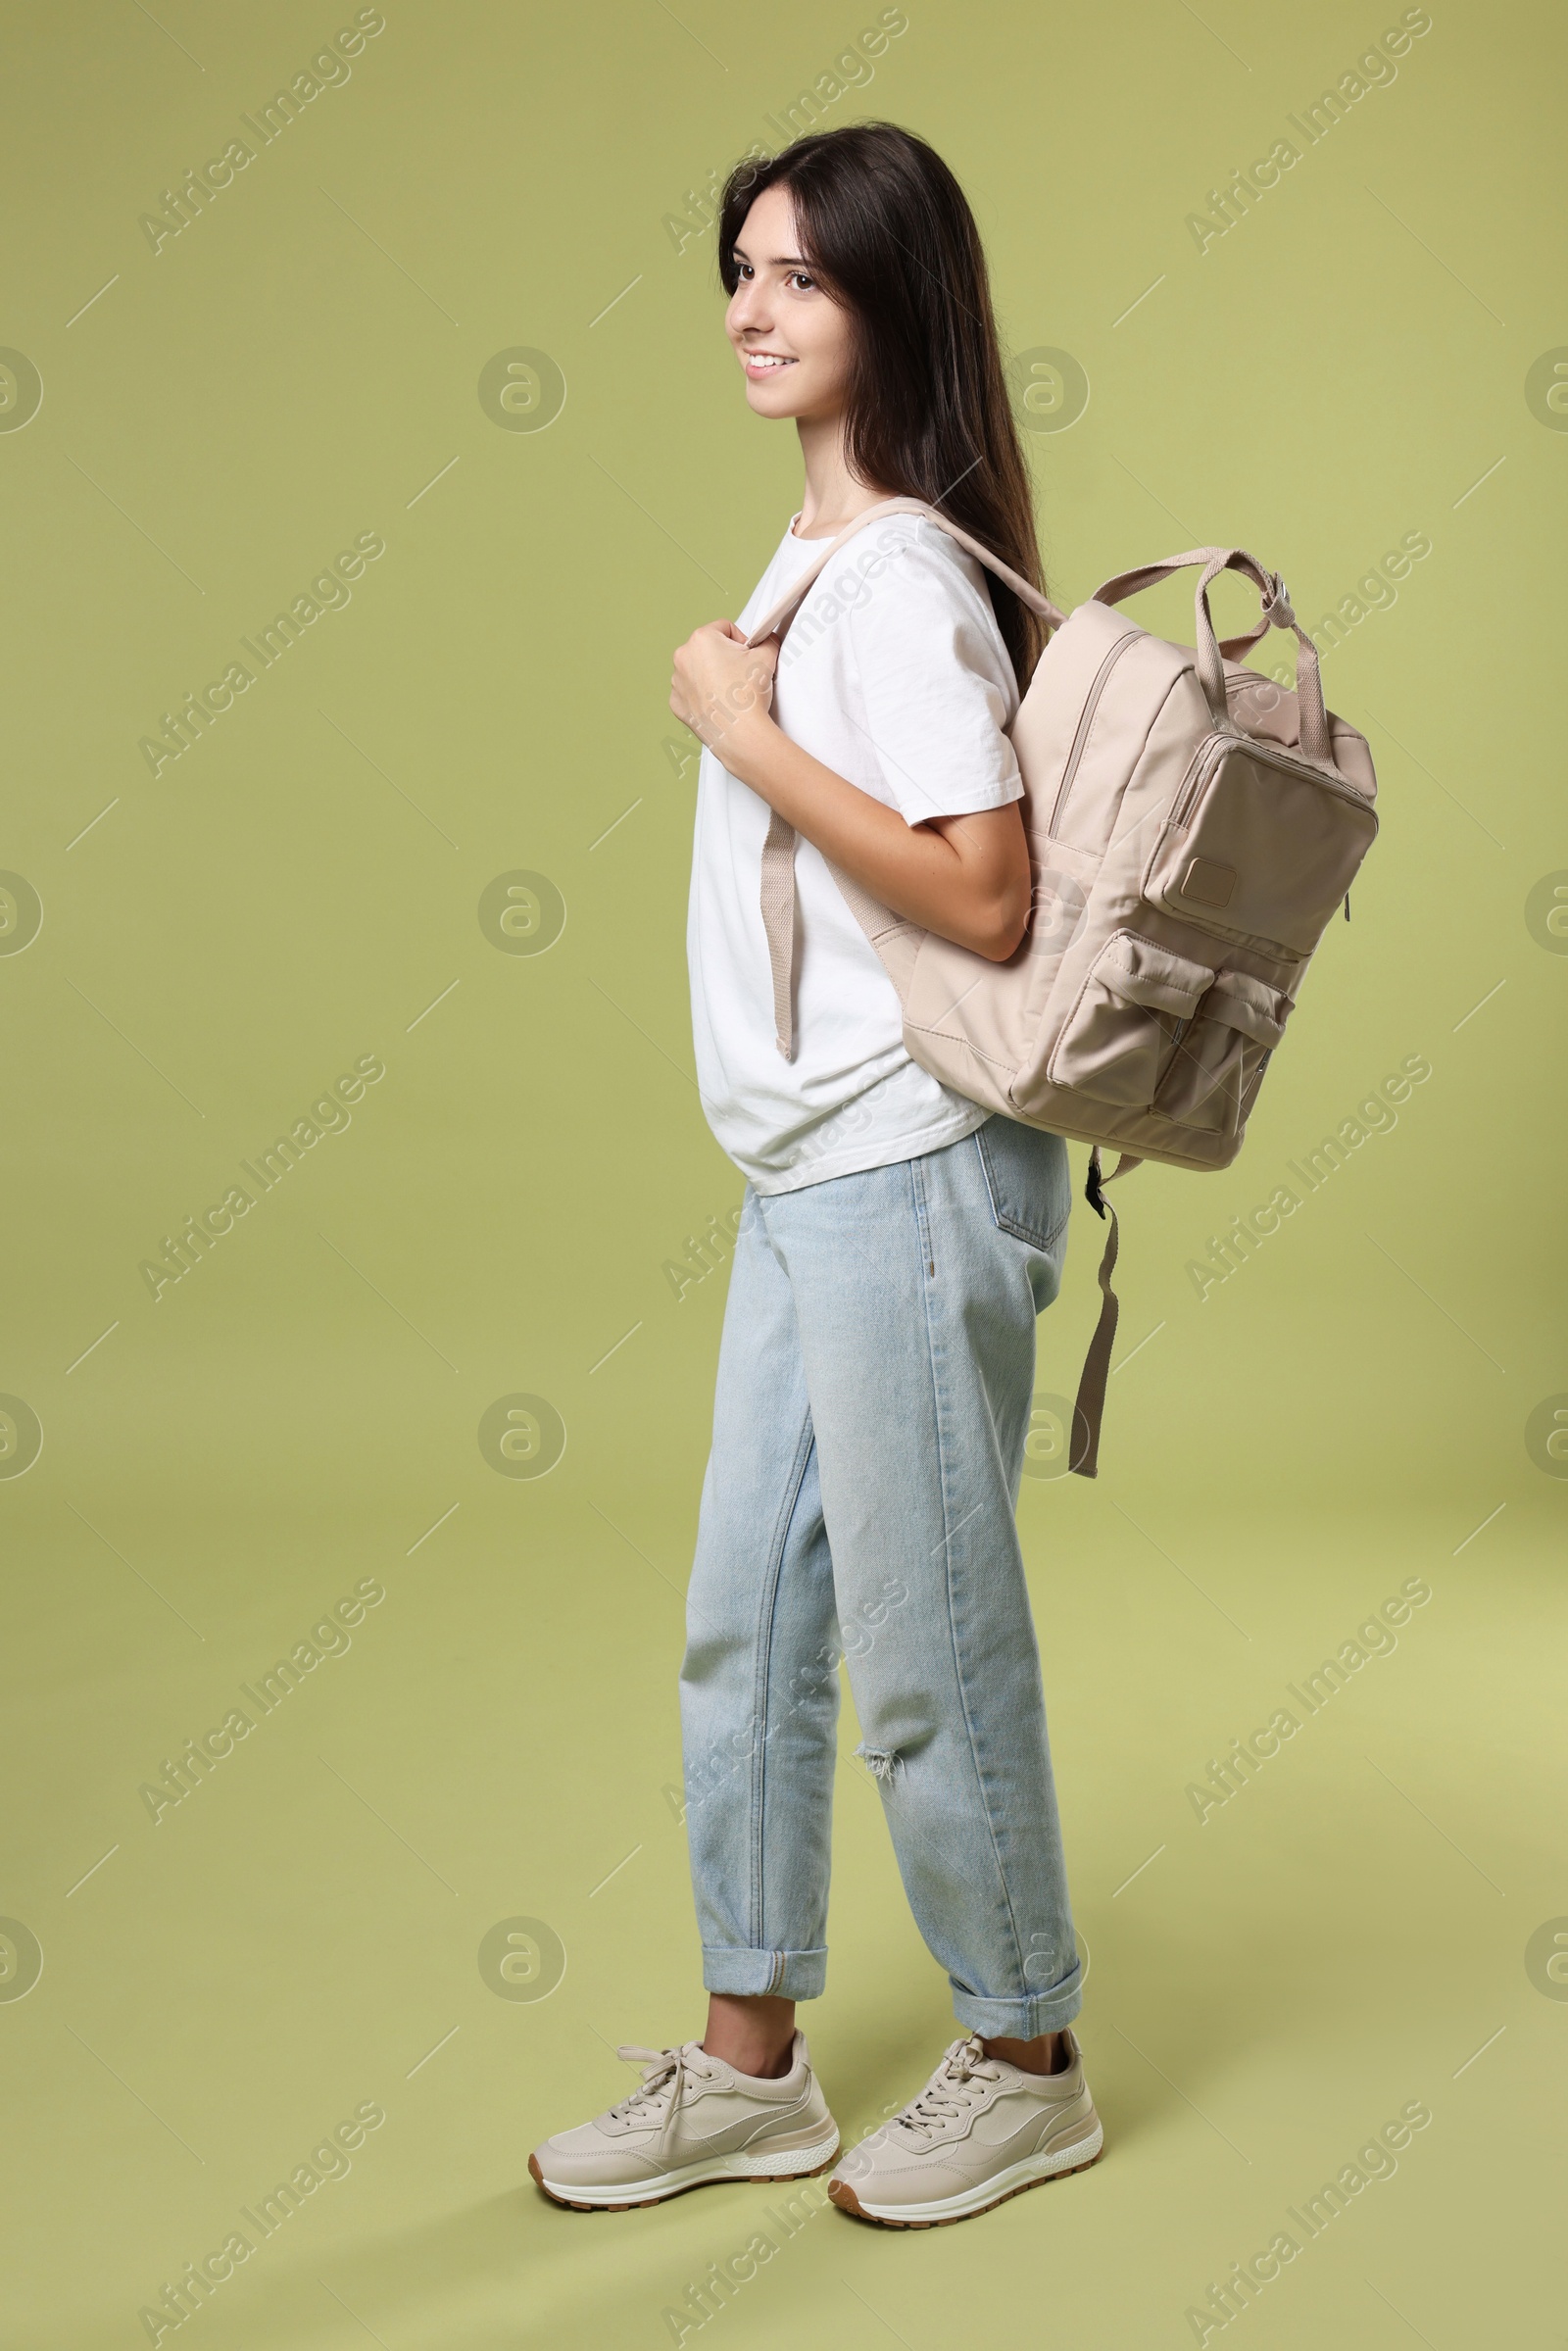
874	1390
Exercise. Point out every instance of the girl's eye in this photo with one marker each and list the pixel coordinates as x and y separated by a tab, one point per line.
802	281
743	270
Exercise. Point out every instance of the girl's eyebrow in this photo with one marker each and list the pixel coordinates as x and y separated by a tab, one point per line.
780	261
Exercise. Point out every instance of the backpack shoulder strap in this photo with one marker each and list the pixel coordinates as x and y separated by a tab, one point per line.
778	850
777	619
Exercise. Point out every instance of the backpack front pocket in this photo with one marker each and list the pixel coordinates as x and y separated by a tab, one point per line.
1220	1054
1260	847
1119	1036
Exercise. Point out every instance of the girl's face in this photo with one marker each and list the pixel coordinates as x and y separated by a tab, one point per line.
793	341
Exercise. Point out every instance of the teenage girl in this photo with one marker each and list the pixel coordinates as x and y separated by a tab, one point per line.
897	1243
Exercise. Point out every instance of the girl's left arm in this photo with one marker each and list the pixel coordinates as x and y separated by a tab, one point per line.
964	877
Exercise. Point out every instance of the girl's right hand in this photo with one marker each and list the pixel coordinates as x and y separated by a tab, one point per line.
719	680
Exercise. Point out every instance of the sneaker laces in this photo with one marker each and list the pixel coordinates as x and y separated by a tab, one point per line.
665	2074
949	2094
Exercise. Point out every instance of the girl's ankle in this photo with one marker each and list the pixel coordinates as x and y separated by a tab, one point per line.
1048	2053
757	2064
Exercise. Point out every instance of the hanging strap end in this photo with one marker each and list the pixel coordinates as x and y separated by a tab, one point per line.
1090	1405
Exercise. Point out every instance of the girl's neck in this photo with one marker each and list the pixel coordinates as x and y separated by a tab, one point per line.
833	495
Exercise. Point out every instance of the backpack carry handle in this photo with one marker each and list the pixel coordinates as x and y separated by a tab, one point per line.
1277	613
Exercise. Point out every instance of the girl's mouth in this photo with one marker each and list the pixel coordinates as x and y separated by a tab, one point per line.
765	363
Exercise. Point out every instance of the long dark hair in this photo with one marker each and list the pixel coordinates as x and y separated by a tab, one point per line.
889	231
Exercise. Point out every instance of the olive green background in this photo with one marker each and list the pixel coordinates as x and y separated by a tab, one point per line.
300	364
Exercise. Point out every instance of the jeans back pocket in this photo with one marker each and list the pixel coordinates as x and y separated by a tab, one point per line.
1028	1179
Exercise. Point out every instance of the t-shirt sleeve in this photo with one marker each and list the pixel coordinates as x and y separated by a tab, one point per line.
937	688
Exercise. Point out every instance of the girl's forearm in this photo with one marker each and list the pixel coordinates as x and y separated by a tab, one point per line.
964	877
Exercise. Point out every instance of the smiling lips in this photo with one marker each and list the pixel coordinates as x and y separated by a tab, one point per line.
765	363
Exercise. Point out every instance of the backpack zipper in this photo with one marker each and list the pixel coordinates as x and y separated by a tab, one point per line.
1274	755
1086	720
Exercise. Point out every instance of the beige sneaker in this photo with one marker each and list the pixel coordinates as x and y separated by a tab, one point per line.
694	2120
981	2131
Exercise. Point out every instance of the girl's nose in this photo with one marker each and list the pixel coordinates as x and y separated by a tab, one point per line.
748	309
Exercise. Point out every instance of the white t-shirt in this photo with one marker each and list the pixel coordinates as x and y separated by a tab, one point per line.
892	673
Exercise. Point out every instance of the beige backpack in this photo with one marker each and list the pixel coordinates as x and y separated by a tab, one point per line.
1191	828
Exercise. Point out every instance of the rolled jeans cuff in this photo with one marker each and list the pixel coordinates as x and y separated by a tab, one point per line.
786	1975
1023	2019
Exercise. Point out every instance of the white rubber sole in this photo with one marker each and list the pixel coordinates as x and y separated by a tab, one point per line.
760	2165
995	2190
